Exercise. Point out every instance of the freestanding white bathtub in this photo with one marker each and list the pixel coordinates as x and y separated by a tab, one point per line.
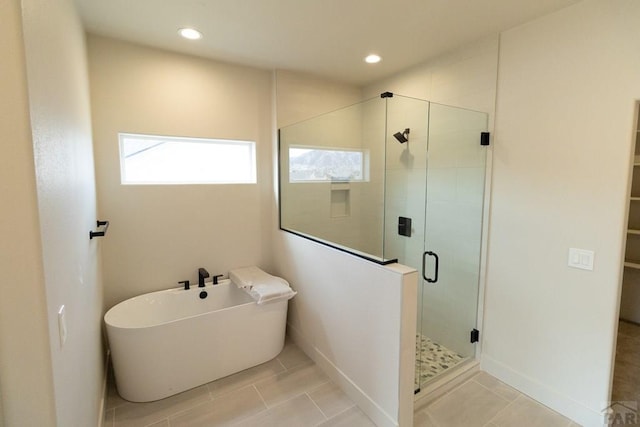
166	342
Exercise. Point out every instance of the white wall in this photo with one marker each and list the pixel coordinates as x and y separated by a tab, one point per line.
567	91
160	235
60	120
350	315
26	378
463	78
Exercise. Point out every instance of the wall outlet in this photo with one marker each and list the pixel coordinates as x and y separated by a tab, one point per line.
62	325
581	258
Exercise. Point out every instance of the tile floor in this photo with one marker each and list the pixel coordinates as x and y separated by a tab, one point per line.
292	391
289	390
483	401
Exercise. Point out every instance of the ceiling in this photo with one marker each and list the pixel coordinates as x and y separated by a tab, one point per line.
328	38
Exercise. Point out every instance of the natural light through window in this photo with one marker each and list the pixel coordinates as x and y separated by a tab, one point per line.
146	159
326	164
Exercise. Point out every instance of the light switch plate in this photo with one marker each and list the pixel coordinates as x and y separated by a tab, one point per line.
581	258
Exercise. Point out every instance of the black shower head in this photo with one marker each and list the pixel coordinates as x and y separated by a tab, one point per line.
402	137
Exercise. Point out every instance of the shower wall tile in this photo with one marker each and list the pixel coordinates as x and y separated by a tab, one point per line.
470	186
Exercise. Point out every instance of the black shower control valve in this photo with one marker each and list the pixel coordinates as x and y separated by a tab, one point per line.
185	283
203	294
404	226
215	278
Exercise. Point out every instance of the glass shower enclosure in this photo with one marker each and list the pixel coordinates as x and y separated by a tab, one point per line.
400	179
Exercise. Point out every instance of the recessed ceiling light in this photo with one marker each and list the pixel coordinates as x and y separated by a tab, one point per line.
190	33
372	59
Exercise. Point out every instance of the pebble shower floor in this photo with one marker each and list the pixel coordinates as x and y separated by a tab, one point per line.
432	359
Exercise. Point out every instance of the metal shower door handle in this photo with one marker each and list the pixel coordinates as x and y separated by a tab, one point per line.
424	264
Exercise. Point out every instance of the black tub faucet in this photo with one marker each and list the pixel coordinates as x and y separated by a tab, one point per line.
202	274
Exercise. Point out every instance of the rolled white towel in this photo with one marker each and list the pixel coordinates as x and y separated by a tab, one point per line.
271	292
263	287
246	277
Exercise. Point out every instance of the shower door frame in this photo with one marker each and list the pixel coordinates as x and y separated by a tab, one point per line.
477	301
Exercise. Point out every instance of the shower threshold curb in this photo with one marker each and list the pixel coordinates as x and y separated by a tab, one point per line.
446	382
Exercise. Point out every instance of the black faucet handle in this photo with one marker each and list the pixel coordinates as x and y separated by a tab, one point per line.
185	283
215	278
202	274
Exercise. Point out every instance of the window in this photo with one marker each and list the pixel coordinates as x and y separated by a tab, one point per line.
146	159
326	164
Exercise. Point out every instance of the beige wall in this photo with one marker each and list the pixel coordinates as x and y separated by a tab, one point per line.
160	235
303	96
60	119
567	92
26	379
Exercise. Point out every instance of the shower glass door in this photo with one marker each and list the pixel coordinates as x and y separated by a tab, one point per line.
455	180
436	179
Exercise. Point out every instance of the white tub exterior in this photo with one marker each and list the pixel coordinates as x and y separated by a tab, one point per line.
166	342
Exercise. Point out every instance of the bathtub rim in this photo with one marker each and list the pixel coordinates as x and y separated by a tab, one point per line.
163	291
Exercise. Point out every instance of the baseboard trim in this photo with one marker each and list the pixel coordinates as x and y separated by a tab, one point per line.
555	400
103	399
378	415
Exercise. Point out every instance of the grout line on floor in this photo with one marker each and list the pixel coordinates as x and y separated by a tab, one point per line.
288	400
157	421
260	395
281	364
431	417
341	412
501	410
311	390
316	405
493	392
